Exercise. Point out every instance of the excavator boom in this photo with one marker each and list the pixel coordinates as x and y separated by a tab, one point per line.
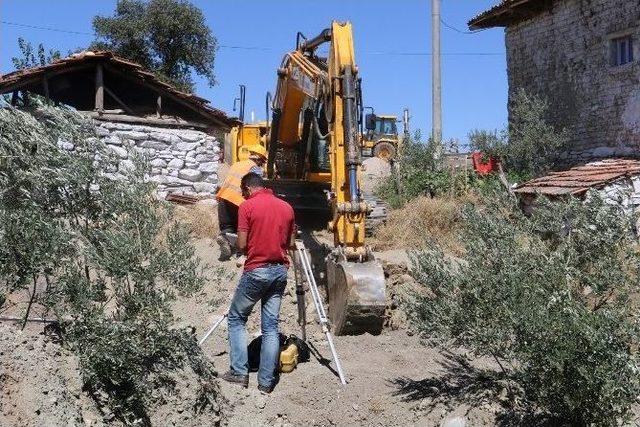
314	141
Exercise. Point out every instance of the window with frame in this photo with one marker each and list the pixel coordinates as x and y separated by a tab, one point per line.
621	50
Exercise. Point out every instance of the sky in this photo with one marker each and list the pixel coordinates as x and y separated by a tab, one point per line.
392	48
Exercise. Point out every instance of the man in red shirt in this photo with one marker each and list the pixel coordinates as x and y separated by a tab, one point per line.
266	230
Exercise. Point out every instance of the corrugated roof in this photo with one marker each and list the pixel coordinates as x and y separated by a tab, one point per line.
507	11
579	179
10	80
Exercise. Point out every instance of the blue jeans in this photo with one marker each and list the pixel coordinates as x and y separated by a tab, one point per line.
264	284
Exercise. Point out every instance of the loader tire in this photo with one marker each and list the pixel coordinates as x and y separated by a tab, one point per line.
385	151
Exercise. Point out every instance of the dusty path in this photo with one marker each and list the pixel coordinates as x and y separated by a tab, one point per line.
385	373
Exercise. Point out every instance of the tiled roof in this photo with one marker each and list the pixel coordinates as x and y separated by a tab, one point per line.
579	179
507	11
27	74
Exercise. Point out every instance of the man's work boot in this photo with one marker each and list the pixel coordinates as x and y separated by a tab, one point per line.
225	248
265	389
233	378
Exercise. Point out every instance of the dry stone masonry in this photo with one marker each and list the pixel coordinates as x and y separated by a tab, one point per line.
566	54
183	161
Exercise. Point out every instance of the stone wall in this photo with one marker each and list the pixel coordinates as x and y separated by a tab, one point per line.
183	161
565	55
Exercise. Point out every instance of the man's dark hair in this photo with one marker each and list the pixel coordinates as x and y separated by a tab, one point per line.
252	180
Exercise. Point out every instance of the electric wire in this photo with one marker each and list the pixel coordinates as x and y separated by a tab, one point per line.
273	49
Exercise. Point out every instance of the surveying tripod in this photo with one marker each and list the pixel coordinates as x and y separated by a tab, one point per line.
303	274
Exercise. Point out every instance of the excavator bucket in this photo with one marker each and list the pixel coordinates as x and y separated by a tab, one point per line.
357	298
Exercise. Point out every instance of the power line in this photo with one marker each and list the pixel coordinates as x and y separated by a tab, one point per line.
272	49
15	24
451	27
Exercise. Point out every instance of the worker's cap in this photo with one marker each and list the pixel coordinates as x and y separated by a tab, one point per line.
258	150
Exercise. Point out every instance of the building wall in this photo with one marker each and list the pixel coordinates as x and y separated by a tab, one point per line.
564	55
182	161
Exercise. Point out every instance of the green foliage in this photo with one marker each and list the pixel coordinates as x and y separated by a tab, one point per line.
530	145
547	296
111	255
32	58
420	171
169	37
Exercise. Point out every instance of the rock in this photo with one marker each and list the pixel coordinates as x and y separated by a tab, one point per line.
112	140
116	126
192	136
175	164
65	145
121	152
208	167
101	131
158	163
185	146
454	422
165	137
126	166
202	157
131	134
190	174
205	187
158	145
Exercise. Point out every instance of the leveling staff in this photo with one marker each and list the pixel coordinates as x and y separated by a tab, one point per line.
266	231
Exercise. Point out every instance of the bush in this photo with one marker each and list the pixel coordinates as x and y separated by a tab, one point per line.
111	255
548	298
419	171
529	146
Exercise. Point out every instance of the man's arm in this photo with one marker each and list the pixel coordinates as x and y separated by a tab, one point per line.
243	228
242	241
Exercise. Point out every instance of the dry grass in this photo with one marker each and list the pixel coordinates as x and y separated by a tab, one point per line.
421	220
202	220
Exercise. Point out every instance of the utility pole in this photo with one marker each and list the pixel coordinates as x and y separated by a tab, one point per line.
436	85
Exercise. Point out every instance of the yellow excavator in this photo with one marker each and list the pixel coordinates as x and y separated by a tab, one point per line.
314	159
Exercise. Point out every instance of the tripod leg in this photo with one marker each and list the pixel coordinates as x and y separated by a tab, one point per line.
302	309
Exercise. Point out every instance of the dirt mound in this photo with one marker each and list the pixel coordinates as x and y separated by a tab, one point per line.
373	172
41	385
40	382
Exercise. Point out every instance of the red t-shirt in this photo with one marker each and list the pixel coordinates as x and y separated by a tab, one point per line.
269	223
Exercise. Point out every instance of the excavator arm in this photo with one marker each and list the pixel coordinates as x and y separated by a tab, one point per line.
314	138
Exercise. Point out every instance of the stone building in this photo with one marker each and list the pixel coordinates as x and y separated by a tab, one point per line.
134	111
582	56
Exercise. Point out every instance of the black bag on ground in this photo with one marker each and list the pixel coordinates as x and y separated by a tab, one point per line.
254	350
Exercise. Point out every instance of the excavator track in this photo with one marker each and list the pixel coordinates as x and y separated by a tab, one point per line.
378	214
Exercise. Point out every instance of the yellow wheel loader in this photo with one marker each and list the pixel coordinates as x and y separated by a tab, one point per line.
380	138
314	162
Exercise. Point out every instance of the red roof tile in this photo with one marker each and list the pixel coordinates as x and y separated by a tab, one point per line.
579	179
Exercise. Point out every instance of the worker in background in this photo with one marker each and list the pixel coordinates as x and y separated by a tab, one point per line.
229	198
266	230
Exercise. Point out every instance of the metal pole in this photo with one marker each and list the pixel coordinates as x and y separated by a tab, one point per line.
213	328
436	88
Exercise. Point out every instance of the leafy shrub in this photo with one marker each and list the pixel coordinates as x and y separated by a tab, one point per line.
547	296
419	171
112	257
529	146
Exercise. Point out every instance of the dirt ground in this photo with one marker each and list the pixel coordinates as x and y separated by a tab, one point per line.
393	379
